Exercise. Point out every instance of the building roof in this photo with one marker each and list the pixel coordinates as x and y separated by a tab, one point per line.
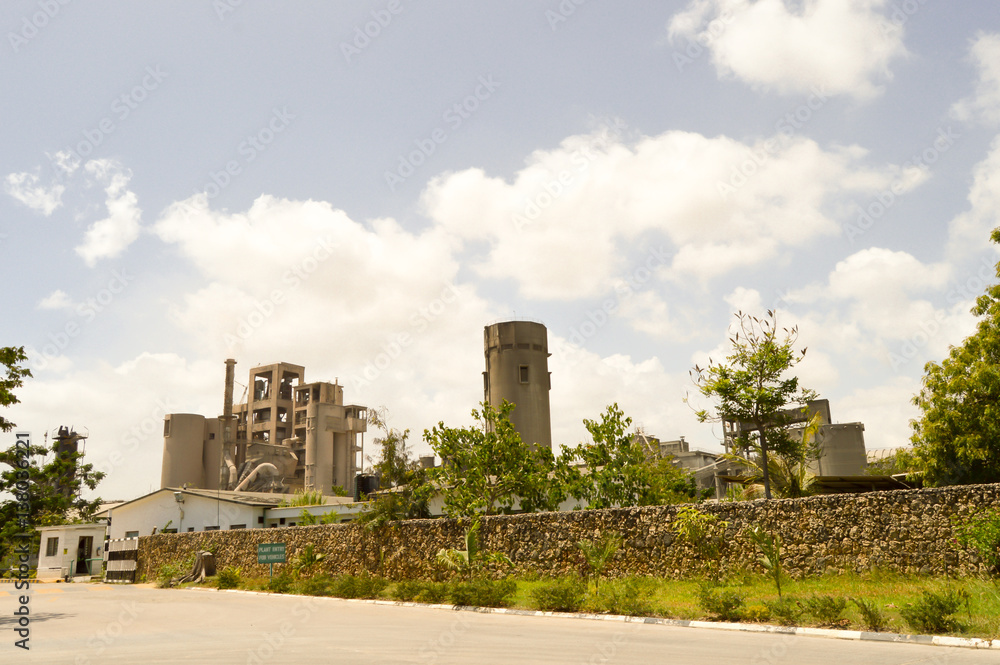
258	499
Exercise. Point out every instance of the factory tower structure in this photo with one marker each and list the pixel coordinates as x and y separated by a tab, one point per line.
517	370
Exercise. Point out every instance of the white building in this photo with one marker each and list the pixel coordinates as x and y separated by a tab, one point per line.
70	550
180	510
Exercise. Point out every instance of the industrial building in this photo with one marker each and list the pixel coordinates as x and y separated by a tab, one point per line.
517	370
286	435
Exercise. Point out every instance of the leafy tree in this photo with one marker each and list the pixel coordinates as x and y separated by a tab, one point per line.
395	465
752	387
487	469
598	554
10	358
957	438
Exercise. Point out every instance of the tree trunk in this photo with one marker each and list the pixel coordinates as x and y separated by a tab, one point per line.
764	462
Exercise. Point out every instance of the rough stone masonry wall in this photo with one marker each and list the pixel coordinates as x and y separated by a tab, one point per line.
904	530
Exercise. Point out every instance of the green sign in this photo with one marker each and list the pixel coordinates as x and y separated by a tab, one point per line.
271	553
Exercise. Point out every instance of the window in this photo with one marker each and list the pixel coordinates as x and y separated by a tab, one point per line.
211	528
131	534
523	373
190	529
51	547
260	519
166	427
237	526
281	520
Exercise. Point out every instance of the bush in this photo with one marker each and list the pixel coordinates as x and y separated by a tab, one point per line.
826	609
280	584
483	592
433	592
720	603
228	578
785	610
623	597
981	534
317	585
406	590
358	586
565	594
933	613
167	574
872	618
756	612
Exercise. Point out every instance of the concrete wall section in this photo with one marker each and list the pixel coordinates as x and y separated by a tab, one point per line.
906	530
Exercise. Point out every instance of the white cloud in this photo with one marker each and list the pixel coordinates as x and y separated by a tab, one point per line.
969	232
25	188
843	48
718	204
984	105
58	299
109	237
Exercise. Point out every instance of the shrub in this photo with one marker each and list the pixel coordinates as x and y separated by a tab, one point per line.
406	590
981	533
433	592
597	554
317	585
228	578
482	592
933	613
168	574
826	609
785	610
769	545
358	586
280	584
756	612
704	532
720	603
872	618
564	594
623	597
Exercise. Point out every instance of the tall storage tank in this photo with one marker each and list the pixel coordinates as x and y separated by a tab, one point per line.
211	459
517	370
183	450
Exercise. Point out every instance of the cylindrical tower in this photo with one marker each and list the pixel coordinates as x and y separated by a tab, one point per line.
517	370
183	449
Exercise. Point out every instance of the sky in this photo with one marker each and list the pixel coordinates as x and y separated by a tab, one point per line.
361	187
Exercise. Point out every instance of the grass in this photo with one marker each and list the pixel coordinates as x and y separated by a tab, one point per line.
888	593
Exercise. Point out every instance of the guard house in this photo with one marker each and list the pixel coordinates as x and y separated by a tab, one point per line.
70	550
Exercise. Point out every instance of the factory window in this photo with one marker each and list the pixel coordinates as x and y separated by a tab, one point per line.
281	520
131	534
190	529
210	528
170	530
486	381
51	547
522	345
260	519
237	526
166	427
522	371
211	435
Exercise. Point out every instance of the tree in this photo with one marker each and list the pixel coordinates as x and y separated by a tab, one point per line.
399	472
620	471
956	440
10	358
487	469
395	466
753	387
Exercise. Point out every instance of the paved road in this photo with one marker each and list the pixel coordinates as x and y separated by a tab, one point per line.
83	624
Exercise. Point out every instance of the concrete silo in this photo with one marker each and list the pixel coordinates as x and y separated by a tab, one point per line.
517	370
183	450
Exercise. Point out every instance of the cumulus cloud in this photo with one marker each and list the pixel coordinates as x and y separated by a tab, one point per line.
969	232
717	205
984	104
109	237
58	299
25	188
844	48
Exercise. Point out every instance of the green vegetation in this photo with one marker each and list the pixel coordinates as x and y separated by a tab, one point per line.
562	594
598	555
303	499
704	533
935	612
472	561
752	386
769	546
228	578
981	534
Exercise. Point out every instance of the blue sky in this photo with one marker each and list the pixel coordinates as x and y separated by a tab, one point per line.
360	187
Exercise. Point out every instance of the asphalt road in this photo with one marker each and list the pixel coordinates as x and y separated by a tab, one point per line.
83	624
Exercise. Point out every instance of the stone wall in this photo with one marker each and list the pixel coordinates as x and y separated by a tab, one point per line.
904	530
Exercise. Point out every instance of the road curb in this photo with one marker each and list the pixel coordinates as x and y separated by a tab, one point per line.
853	635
